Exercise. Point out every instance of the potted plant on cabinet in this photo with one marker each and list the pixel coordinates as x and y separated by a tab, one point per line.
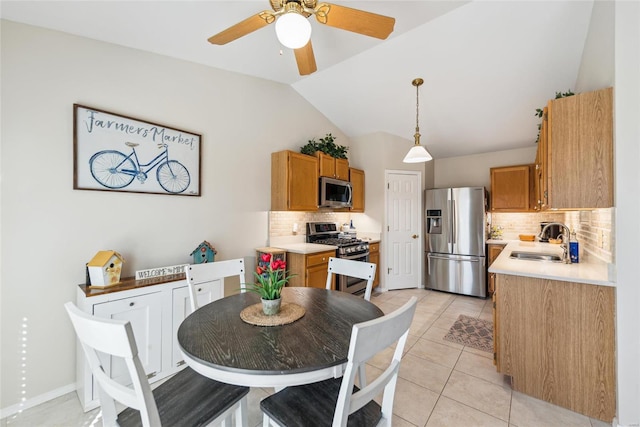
327	146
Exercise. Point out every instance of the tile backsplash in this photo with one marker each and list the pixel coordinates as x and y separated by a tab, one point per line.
281	223
594	229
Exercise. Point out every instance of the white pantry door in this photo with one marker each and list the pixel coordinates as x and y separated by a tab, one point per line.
404	227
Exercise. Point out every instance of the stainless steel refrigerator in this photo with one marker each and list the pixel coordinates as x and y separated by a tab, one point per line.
456	239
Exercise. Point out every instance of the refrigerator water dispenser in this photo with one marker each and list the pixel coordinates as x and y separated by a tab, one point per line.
434	221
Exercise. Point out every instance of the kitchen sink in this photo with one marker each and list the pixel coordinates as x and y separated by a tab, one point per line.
535	256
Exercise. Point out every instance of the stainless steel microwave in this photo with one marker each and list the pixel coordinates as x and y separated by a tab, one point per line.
335	193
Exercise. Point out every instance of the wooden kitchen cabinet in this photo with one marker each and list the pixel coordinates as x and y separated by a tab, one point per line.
556	340
310	269
512	188
541	194
356	177
579	144
493	250
374	258
332	167
294	182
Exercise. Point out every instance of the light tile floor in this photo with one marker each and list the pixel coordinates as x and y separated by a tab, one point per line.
441	383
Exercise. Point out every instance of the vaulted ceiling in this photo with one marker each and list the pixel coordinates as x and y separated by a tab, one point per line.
487	65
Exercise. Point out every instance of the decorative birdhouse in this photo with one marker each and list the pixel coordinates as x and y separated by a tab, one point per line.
204	253
105	268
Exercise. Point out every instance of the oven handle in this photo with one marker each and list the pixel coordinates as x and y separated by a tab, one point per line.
362	255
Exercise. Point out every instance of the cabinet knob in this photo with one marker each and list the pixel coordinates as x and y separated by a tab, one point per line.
415	236
131	304
199	289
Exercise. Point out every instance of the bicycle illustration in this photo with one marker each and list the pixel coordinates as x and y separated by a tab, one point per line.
114	169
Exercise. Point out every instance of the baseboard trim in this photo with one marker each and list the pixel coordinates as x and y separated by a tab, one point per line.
37	400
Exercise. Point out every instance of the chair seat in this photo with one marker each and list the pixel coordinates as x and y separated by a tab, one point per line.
188	399
314	405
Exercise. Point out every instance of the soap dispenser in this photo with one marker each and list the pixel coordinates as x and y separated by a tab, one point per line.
574	247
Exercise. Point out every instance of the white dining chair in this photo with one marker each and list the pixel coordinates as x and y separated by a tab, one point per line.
200	274
362	270
346	267
185	399
332	402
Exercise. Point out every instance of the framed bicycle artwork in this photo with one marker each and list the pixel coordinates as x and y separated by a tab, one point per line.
112	152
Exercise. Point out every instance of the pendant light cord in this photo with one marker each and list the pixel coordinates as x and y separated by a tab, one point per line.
417	109
417	82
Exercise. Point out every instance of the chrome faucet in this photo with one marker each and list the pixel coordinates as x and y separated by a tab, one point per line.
565	240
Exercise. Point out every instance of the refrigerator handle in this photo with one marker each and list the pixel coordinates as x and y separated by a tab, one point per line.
453	220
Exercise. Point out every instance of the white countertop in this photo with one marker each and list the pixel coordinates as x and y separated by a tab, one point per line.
592	270
306	248
498	241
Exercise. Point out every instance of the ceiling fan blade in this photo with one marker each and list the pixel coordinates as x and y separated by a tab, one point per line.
305	59
243	28
358	21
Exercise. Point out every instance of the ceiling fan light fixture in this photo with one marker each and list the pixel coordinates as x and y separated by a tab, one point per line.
293	30
417	153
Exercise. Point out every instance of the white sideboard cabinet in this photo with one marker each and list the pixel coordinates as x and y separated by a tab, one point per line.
155	308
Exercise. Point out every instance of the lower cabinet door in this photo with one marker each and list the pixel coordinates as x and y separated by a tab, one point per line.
317	276
145	314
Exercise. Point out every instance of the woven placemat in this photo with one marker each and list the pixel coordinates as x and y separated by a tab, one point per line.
289	313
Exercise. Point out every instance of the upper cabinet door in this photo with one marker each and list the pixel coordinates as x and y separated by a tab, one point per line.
511	188
342	169
294	182
580	151
326	165
332	167
356	177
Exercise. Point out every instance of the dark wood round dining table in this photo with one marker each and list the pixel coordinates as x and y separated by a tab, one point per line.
217	343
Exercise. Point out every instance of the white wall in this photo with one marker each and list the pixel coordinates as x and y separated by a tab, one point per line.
376	153
471	171
597	65
627	201
611	57
50	230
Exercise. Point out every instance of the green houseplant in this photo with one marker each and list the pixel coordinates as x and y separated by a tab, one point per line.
327	146
271	276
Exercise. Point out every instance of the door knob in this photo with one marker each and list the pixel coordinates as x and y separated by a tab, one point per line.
415	236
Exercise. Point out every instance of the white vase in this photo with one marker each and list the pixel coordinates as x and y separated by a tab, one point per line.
271	306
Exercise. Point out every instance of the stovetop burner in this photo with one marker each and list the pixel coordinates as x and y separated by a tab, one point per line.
326	233
338	241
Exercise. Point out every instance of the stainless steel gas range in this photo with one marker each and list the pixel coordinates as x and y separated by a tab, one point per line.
349	247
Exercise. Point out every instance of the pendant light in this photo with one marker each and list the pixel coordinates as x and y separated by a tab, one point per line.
293	28
418	153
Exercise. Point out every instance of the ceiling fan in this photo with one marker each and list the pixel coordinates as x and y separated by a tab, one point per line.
294	30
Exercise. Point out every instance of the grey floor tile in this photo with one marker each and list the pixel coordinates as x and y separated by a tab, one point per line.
437	334
424	373
449	413
479	394
527	411
413	403
435	352
480	367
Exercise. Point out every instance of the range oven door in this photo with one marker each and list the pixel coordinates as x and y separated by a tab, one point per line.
352	285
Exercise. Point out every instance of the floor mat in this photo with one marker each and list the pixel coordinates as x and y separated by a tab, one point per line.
472	332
